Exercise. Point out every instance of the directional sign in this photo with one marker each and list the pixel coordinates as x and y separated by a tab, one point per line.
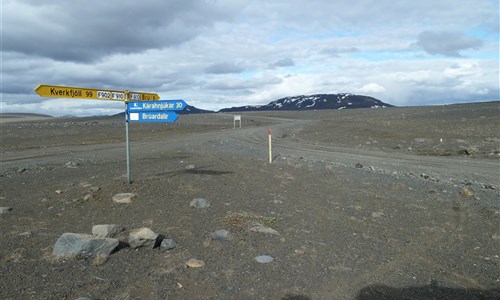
156	105
89	93
153	116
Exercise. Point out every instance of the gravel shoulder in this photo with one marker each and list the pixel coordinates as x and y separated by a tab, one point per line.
375	221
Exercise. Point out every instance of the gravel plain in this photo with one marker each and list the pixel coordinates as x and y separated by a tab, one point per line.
396	203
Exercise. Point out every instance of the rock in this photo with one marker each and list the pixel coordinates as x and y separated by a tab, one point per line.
108	230
464	152
378	214
142	237
88	197
95	188
358	165
123	198
21	170
264	259
257	227
167	244
190	167
195	263
5	210
221	235
71	164
75	244
84	298
85	184
58	192
489	187
199	203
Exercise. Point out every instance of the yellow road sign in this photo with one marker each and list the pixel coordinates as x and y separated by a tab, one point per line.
95	94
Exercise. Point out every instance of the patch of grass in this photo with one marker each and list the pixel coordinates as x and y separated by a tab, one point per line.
466	192
100	260
13	257
242	220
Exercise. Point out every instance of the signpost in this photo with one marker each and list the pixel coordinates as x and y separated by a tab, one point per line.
54	91
139	106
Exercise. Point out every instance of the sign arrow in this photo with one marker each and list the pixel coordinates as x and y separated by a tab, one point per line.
54	91
156	105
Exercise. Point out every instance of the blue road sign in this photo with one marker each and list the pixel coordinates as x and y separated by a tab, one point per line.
156	105
153	116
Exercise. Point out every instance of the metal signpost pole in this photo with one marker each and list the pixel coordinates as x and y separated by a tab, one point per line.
127	144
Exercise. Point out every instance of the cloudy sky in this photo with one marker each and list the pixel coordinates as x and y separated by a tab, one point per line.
222	53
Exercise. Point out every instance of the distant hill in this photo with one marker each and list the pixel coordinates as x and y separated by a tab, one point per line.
193	110
23	115
312	102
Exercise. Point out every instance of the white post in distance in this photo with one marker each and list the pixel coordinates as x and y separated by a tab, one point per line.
270	133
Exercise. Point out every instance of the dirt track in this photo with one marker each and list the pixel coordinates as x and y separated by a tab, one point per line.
398	203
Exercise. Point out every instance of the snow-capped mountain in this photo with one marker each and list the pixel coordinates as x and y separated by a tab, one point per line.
319	101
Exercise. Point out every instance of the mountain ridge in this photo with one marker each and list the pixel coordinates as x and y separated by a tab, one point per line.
316	101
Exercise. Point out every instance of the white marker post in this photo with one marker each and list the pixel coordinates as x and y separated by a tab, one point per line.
270	133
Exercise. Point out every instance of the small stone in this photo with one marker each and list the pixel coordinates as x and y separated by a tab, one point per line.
58	192
199	203
264	259
123	198
142	237
95	189
85	184
190	167
5	210
88	197
167	244
221	235
107	230
195	263
496	236
257	227
21	170
376	215
71	164
358	165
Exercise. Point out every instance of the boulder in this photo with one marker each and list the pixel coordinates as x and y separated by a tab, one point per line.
108	230
221	235
76	244
142	237
167	244
199	203
123	197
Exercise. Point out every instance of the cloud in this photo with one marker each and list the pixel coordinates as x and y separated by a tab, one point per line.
285	62
86	31
446	43
220	53
224	68
372	88
335	52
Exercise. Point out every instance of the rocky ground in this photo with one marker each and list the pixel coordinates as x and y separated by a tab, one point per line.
399	203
